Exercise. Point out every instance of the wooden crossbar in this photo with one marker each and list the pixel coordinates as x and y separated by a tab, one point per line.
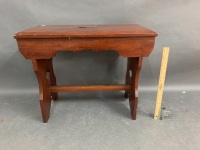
87	88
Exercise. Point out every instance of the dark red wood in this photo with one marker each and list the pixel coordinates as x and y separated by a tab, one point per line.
41	43
86	31
52	78
41	68
127	79
87	88
135	67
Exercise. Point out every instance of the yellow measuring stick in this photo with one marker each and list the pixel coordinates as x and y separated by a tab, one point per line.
161	83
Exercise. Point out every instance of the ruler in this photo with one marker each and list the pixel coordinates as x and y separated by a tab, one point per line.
161	83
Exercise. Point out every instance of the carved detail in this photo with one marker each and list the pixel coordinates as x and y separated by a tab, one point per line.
40	68
134	66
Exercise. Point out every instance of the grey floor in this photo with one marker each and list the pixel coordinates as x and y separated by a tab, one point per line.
99	121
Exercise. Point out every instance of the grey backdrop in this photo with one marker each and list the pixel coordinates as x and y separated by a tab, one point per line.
176	22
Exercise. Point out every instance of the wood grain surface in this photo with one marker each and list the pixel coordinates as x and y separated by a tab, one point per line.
41	43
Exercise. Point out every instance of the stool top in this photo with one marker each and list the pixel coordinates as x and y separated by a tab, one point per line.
85	31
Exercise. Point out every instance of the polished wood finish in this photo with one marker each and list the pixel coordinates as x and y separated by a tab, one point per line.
41	43
135	66
47	48
85	31
91	88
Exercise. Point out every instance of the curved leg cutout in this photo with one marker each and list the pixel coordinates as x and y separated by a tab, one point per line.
40	67
135	67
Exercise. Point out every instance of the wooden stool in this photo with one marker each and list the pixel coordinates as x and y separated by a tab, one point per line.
41	43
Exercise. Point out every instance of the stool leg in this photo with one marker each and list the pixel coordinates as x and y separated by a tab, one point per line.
40	69
54	95
135	66
127	80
